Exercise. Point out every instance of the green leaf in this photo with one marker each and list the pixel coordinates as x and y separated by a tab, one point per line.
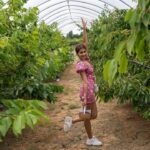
132	17
5	124
118	51
130	43
37	104
146	19
19	124
3	42
129	14
40	114
106	70
140	50
42	105
29	120
110	70
34	118
123	63
142	4
30	89
12	104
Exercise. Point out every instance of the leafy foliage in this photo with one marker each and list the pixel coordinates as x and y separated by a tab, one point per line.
19	114
30	53
120	50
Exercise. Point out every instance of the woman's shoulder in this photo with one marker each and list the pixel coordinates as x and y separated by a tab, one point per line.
81	66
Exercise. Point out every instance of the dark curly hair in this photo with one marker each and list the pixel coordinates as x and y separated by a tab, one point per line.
79	47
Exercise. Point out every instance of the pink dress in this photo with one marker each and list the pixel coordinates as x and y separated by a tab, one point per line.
89	70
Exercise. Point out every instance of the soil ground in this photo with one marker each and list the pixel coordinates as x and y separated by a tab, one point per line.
117	126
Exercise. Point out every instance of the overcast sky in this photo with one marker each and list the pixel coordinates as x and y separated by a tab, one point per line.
58	10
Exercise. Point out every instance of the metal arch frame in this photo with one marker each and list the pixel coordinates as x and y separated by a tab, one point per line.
108	4
72	1
49	16
44	3
86	3
72	27
70	12
67	14
66	24
93	4
64	1
68	17
125	3
61	19
71	6
98	0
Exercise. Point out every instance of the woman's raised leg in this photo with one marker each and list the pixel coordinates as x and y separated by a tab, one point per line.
77	120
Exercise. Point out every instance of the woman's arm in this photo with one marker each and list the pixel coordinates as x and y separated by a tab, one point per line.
85	39
85	86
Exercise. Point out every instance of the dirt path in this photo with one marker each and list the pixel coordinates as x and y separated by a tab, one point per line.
118	127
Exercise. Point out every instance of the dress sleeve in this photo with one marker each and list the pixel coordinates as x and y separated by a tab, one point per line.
80	66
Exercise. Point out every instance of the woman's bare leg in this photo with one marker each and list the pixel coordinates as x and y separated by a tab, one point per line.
87	124
77	120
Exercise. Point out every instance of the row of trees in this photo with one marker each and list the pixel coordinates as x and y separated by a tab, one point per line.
30	55
120	50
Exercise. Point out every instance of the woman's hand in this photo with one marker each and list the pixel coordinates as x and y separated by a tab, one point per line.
84	102
84	23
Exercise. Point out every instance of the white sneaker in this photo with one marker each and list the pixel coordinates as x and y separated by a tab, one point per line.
93	141
67	123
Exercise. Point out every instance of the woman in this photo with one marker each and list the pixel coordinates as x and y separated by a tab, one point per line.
86	71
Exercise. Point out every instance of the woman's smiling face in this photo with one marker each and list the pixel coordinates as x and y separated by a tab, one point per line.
82	54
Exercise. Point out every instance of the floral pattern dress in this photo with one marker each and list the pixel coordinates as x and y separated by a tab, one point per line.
89	70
